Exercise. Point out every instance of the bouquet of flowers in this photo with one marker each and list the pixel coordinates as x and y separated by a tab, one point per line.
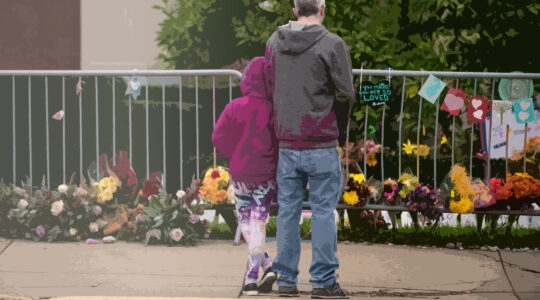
425	199
390	192
406	184
174	221
356	192
70	212
525	189
215	185
461	192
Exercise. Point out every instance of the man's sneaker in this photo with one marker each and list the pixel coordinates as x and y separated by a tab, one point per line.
288	291
267	280
333	291
250	290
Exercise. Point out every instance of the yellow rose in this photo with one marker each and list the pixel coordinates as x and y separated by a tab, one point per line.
350	198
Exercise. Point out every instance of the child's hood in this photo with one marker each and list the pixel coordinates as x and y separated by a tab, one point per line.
255	79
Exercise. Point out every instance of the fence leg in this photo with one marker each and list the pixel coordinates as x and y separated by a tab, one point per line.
392	215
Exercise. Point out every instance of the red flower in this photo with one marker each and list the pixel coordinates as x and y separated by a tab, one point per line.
151	185
215	174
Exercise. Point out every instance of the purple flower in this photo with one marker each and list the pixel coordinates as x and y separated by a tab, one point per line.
194	218
96	210
139	218
40	231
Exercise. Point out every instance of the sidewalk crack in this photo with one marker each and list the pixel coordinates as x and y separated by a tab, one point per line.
9	244
507	277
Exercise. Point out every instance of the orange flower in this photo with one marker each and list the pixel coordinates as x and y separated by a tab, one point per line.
371	159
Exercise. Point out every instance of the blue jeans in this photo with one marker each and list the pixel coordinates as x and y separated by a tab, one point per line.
321	168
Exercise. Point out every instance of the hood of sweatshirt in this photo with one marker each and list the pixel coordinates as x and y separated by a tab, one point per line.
254	80
296	38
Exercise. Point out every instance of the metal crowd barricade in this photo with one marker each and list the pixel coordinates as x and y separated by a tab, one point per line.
487	81
35	146
100	119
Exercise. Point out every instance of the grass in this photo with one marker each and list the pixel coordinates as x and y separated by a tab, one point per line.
440	236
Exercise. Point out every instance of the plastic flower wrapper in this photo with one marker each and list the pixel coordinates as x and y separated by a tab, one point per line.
407	182
390	193
104	187
375	188
524	185
425	199
215	185
501	192
526	190
356	192
456	188
484	198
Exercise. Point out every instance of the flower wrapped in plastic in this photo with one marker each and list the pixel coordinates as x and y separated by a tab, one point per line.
425	199
457	188
356	192
406	184
390	192
526	190
215	185
483	197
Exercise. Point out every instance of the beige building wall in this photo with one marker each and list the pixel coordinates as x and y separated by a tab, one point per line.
119	34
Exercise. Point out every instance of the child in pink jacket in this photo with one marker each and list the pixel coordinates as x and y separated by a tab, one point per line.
244	134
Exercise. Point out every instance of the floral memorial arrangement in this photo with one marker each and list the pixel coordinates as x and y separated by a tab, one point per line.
99	211
215	185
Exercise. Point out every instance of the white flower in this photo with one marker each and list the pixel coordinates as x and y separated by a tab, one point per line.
72	231
19	190
57	207
194	202
180	194
93	227
22	204
176	234
81	191
101	222
63	188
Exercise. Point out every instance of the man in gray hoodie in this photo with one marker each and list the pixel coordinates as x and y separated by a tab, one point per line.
313	94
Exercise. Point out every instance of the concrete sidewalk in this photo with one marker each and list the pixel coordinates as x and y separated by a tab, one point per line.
215	269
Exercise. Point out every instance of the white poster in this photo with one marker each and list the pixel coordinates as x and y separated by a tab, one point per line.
516	135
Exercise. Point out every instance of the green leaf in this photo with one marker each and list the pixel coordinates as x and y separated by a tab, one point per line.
150	212
158	223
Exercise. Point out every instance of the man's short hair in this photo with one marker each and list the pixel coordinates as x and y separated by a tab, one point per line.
306	8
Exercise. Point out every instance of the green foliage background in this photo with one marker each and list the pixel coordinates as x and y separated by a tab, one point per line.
441	35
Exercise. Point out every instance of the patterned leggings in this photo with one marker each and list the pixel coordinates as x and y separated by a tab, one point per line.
253	208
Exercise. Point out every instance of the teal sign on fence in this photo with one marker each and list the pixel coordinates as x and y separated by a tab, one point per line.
375	95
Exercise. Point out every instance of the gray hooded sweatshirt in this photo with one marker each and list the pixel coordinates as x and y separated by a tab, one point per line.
313	92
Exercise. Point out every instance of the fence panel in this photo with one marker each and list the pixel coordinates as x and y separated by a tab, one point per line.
405	86
58	123
166	130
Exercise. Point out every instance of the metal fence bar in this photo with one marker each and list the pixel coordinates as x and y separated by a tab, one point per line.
47	150
493	75
30	131
214	113
63	130
400	134
97	125
114	120
163	131
81	135
197	124
435	142
147	129
181	137
130	126
14	131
